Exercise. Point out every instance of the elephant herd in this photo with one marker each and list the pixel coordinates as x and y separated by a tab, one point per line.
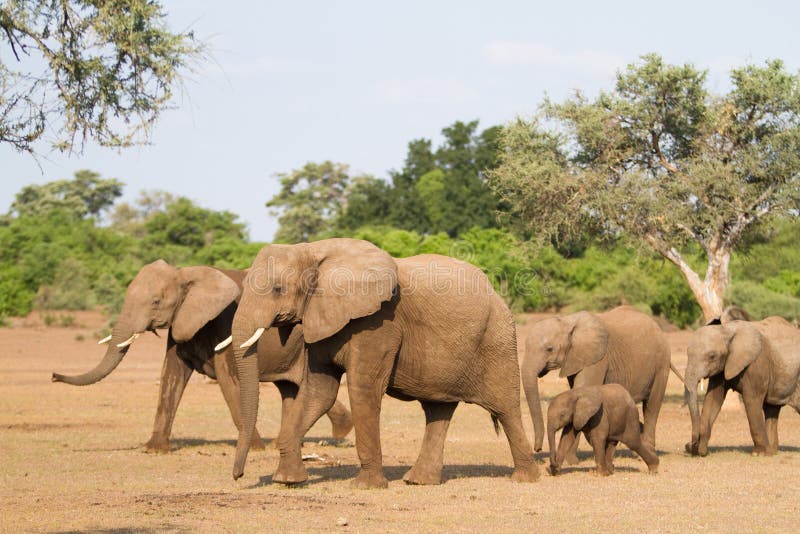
431	328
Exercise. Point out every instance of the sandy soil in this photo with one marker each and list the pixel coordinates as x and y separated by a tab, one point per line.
72	459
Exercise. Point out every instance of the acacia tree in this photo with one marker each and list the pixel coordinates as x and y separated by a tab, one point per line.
80	69
660	160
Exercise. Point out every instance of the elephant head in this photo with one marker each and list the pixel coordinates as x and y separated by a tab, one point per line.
576	407
726	348
162	296
322	285
570	343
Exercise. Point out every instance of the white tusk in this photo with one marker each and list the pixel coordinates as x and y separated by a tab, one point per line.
104	340
223	344
128	341
252	339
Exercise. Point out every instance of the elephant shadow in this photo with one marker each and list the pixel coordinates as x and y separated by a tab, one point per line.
186	443
747	449
320	474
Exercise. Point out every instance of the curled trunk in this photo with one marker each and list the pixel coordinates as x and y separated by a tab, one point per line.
247	371
109	362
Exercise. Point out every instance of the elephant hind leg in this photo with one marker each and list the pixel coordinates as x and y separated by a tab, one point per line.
651	406
428	467
611	447
341	422
525	468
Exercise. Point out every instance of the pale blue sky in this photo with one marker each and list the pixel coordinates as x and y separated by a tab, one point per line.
353	82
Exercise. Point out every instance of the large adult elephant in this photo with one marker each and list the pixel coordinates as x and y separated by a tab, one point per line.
621	346
760	360
428	328
197	304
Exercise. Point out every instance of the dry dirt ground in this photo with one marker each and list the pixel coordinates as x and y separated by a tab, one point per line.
72	459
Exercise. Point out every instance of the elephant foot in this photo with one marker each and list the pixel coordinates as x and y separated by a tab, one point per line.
257	444
369	480
696	450
602	472
571	459
652	469
761	451
341	427
285	474
157	446
525	474
423	477
553	470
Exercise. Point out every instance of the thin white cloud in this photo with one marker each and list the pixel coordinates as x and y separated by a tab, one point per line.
425	90
514	53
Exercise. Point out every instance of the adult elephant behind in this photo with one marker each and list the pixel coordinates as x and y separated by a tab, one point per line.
621	346
428	327
197	304
760	360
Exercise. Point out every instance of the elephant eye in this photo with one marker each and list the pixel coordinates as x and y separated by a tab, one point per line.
156	301
279	290
548	348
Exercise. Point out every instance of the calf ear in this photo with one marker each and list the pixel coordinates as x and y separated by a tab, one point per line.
744	347
588	404
207	293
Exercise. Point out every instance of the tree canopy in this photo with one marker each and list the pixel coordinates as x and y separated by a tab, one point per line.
664	162
76	69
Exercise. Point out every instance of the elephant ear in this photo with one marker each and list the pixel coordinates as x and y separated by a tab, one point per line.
353	279
587	342
588	404
207	293
744	347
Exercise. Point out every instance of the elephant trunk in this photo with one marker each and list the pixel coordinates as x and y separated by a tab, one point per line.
531	385
690	393
247	371
109	362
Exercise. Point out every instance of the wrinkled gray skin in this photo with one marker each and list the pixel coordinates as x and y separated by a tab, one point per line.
197	304
426	328
760	360
622	346
606	415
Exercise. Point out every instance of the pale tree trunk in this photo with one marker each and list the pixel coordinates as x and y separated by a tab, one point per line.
709	291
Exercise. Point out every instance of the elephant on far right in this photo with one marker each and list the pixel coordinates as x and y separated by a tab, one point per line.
760	360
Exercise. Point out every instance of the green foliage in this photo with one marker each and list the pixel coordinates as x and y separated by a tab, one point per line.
87	195
761	302
309	201
70	290
661	161
110	69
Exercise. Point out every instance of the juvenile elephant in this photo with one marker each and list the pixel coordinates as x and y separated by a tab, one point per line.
606	415
197	304
621	346
427	328
760	360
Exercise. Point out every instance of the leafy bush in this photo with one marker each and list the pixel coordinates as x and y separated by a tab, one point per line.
760	302
70	290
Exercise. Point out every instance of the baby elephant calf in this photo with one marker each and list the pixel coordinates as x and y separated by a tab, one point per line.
606	415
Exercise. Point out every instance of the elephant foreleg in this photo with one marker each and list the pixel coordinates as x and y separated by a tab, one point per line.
301	408
598	443
225	369
754	407
568	437
771	412
428	467
175	374
712	404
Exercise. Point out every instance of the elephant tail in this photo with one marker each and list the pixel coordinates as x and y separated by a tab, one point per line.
496	423
677	373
